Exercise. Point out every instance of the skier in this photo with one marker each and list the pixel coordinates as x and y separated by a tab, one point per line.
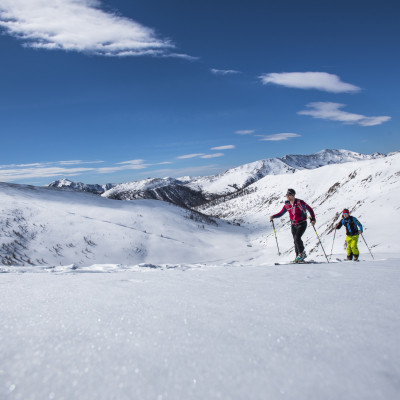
298	216
353	230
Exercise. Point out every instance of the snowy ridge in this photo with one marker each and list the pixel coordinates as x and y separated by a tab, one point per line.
165	189
191	192
84	187
326	157
244	175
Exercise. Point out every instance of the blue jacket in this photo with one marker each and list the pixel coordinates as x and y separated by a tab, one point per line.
352	225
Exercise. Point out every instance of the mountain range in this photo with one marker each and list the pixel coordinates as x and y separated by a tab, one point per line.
193	192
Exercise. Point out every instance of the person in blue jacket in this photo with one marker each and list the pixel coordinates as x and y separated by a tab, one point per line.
353	230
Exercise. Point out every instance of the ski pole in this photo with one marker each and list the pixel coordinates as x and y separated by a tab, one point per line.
367	246
333	242
320	243
273	225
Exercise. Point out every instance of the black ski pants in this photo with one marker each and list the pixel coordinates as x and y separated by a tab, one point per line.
297	232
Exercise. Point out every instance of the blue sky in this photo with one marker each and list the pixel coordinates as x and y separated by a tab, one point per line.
120	90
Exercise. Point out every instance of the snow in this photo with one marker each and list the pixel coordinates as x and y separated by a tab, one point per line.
44	226
324	331
104	299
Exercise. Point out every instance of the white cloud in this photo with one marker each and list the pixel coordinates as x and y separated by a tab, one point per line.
278	137
190	156
189	171
224	71
79	25
132	162
15	172
331	111
200	155
245	132
215	155
127	167
309	80
227	147
50	164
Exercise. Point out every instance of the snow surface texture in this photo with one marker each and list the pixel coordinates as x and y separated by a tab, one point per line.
105	299
304	332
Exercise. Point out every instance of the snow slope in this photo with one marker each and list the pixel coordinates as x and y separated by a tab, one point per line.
43	226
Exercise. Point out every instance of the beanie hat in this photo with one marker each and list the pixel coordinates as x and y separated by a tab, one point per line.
345	211
291	191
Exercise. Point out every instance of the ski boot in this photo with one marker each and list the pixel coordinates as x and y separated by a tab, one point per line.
350	257
355	258
301	257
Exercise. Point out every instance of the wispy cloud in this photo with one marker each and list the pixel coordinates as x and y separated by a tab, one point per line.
227	147
51	164
195	155
79	25
131	162
224	71
278	137
331	111
309	80
200	155
15	172
245	132
215	155
188	171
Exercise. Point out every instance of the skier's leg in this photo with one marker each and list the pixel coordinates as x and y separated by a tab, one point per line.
354	247
294	233
349	247
299	231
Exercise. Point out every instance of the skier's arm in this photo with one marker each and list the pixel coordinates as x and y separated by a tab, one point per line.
360	227
283	211
339	224
311	211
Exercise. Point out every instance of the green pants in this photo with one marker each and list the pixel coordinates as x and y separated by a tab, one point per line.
352	245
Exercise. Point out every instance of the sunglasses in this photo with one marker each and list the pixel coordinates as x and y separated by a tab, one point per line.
345	213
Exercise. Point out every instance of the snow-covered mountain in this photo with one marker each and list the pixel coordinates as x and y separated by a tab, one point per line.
191	192
84	187
327	157
240	177
165	189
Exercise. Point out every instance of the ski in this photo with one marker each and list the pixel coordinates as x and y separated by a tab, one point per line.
336	260
302	262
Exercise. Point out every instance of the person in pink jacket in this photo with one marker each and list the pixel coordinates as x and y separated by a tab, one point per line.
298	216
